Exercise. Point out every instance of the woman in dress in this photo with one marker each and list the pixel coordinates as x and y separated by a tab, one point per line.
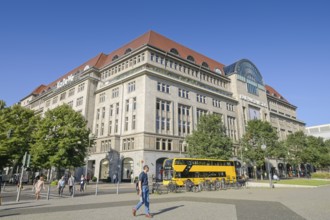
38	186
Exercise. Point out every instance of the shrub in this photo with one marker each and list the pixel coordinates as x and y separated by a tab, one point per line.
321	175
54	183
94	179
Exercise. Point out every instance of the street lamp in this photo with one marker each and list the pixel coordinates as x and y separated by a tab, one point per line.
264	147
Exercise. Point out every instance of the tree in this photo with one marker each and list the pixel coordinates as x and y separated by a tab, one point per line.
296	144
61	139
260	133
17	125
209	140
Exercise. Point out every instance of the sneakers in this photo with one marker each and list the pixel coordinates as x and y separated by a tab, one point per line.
148	215
134	212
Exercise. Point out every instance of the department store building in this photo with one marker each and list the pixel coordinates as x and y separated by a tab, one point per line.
144	98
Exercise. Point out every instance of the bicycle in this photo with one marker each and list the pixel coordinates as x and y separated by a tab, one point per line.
172	187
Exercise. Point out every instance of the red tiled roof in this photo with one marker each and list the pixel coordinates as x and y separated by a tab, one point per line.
39	89
159	41
149	38
271	91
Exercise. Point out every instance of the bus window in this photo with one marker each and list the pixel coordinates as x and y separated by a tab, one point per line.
168	174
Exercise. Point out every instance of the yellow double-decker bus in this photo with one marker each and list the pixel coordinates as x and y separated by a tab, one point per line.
197	170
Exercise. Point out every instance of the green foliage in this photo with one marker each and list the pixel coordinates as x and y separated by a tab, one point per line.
260	133
320	175
54	183
308	149
16	126
61	139
209	140
94	179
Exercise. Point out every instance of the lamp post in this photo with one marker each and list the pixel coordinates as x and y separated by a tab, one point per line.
264	147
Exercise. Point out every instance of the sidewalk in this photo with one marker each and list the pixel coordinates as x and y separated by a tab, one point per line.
250	203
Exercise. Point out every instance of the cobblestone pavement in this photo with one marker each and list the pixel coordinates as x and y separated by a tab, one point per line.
251	203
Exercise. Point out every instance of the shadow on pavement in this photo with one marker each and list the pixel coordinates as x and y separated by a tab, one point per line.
167	209
23	207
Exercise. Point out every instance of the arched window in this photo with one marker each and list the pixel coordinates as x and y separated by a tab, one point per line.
204	64
191	59
128	50
174	51
115	57
217	70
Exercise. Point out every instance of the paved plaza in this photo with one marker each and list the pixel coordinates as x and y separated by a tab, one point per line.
250	203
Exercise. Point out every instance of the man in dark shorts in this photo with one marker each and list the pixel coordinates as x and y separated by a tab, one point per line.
143	192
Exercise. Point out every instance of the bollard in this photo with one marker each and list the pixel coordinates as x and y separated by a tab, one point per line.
96	188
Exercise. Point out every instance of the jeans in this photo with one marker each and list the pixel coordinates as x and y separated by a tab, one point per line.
144	199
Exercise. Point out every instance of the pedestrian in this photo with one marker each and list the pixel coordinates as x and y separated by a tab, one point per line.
143	192
132	178
60	186
114	177
82	183
71	184
40	184
88	178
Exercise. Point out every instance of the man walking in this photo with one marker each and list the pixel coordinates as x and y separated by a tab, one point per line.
143	192
71	183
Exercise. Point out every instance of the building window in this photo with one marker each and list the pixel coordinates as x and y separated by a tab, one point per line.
230	107
183	93
163	144
55	100
134	103
163	119
102	97
103	112
133	121
62	96
174	51
97	130
71	92
252	89
131	86
79	101
97	114
191	59
70	104
204	64
128	144
200	112
111	110
48	103
216	103
201	98
81	87
126	123
231	128
116	126
115	92
117	108
102	129
127	105
184	119
110	127
162	87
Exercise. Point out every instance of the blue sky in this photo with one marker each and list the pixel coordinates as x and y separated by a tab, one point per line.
287	40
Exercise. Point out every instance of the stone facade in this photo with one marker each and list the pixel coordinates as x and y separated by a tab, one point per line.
144	98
